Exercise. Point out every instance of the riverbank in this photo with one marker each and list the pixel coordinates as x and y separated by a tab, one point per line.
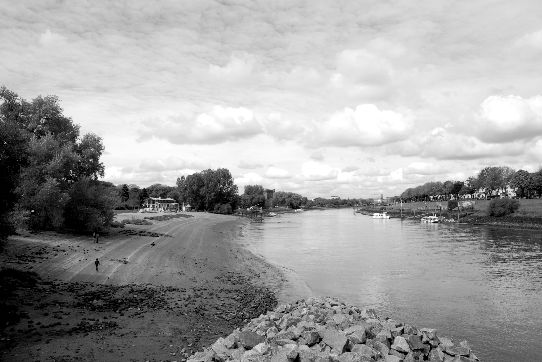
162	292
529	215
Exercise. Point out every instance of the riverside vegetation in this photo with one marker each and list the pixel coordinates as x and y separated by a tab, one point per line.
327	330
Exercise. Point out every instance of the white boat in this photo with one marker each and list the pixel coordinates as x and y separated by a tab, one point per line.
272	214
381	215
433	219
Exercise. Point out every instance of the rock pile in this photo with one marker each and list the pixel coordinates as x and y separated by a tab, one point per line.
326	330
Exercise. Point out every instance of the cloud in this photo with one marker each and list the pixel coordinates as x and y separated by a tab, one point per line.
531	40
317	171
219	125
239	68
282	128
276	173
247	165
509	118
250	178
423	168
317	155
49	38
366	125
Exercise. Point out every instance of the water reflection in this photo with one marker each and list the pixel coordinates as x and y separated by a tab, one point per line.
480	283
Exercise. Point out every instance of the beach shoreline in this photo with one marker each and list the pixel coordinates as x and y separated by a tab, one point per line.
162	291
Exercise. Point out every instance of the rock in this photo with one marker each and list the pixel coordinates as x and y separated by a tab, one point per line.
358	336
382	348
306	354
446	342
261	348
408	329
415	342
396	353
392	358
352	357
333	338
231	340
396	331
436	355
364	350
222	353
252	356
204	356
271	332
310	338
283	342
249	339
285	335
400	344
383	335
291	351
356	327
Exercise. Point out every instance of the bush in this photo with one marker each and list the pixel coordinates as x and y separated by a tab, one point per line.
502	207
223	209
452	204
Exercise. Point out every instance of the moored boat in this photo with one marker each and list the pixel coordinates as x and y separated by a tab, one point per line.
381	215
433	219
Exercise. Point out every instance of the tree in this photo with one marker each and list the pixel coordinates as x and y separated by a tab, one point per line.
203	190
495	178
253	196
124	193
522	181
90	205
89	150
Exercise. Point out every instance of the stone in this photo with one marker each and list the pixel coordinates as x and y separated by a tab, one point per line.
400	344
415	342
230	341
271	332
261	348
392	358
252	356
204	356
436	355
310	337
306	355
356	327
409	357
464	344
283	342
352	357
237	354
333	338
430	333
396	331
222	353
393	352
383	348
285	335
383	335
408	329
364	350
249	339
358	336
291	351
446	342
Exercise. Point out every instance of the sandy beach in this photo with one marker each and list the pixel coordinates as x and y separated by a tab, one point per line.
162	290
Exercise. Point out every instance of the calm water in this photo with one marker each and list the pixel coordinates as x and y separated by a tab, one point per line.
477	283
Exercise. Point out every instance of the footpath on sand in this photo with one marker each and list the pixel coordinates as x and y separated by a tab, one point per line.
162	292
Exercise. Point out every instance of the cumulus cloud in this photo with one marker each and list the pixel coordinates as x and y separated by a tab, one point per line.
250	178
509	118
366	125
318	171
532	40
238	68
221	124
276	173
248	165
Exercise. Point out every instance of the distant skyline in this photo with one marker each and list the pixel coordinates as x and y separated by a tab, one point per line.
347	98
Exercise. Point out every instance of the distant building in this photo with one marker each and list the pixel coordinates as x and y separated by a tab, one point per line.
335	197
160	204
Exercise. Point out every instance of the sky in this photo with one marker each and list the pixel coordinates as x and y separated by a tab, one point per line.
323	98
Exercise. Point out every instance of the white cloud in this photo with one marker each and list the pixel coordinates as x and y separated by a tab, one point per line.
248	165
219	125
239	68
250	178
366	125
49	38
509	118
317	171
532	40
276	173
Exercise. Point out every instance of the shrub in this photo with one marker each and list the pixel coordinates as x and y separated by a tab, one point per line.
452	204
223	209
502	207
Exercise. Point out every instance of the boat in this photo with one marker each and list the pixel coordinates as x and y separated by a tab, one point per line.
272	214
433	219
381	215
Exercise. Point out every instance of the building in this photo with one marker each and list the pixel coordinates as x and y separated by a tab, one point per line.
160	204
268	194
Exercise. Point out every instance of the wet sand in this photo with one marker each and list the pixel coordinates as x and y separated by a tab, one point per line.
162	291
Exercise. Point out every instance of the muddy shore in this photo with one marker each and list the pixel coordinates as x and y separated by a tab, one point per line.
162	292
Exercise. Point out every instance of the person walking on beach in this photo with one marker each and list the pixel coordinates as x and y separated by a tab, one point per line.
96	236
96	262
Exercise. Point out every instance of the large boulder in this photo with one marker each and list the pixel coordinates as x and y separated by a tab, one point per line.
334	338
249	339
400	344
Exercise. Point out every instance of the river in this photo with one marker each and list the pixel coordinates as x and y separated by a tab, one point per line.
482	284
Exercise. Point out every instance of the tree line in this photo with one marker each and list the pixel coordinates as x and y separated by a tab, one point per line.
489	181
50	172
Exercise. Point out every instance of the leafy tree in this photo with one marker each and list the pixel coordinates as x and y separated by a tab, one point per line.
495	178
143	195
502	207
90	205
134	198
253	196
523	182
203	190
89	150
124	193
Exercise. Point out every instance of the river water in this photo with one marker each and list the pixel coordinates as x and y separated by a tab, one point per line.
482	284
